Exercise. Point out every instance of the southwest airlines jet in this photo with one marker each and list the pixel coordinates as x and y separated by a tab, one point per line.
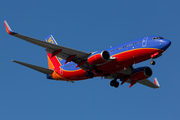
67	64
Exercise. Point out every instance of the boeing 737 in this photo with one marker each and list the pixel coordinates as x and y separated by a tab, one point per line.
67	64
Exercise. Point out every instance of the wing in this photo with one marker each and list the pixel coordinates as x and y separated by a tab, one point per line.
60	51
148	83
127	72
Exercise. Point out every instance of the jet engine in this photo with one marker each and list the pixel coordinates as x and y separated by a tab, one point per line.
99	58
141	73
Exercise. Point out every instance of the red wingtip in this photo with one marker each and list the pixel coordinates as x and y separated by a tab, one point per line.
8	29
156	82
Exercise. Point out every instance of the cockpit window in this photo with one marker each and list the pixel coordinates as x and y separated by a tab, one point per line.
156	38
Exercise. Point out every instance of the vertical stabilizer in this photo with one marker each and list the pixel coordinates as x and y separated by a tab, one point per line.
51	39
53	60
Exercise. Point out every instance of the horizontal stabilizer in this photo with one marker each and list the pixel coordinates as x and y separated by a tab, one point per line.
37	68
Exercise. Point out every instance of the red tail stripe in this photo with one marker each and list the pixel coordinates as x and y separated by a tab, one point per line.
54	60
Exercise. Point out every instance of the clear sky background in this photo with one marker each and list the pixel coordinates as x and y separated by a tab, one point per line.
89	26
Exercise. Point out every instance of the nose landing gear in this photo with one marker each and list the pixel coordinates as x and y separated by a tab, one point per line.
153	62
154	56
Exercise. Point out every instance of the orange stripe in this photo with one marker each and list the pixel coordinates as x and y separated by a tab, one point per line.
51	66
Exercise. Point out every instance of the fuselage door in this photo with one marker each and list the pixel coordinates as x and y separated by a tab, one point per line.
144	42
61	69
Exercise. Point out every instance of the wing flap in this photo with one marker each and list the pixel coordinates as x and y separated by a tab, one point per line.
37	68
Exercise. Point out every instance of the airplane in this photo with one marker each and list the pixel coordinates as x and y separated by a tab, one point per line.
67	64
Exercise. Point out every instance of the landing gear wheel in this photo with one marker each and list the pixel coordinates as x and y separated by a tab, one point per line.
89	74
153	62
114	83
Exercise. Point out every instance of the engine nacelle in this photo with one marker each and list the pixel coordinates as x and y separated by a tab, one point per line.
99	58
141	73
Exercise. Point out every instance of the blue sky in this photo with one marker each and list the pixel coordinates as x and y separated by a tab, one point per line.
93	25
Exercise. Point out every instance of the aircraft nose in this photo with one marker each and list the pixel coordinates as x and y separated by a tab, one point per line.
166	44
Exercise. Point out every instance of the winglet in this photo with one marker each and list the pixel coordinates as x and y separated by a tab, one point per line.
8	29
156	82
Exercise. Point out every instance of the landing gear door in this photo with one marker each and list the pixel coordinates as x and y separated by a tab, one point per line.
144	42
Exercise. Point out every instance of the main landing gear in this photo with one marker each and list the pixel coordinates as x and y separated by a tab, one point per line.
114	83
89	74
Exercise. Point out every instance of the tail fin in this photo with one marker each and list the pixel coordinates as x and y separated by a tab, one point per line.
53	61
51	39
